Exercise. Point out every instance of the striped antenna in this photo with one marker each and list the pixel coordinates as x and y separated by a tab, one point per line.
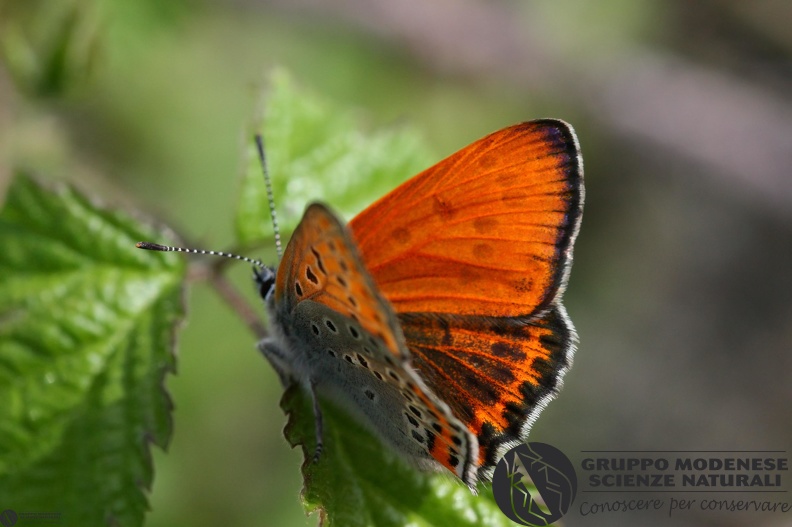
167	248
270	197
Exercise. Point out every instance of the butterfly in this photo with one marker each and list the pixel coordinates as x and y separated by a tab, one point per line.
435	316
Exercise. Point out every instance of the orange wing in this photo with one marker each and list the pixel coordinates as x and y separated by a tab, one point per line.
487	231
496	375
321	263
474	254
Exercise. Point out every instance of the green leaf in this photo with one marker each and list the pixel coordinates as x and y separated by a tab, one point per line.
86	331
317	151
358	482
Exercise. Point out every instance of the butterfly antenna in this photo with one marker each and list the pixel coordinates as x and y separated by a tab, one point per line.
167	248
270	197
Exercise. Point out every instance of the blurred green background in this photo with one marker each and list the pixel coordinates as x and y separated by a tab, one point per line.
681	287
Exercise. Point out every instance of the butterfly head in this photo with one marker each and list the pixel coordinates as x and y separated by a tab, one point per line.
264	278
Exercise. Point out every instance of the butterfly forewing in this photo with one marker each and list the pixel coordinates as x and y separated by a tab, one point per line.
488	231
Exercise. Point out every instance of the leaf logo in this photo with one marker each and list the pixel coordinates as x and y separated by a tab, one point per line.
534	484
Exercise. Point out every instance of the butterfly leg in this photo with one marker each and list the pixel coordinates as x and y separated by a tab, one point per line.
279	360
318	422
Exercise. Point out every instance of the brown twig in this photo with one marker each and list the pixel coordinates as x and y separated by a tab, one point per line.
229	293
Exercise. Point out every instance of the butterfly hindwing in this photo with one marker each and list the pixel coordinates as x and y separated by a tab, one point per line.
495	374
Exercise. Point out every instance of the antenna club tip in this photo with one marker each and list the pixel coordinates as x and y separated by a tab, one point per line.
151	246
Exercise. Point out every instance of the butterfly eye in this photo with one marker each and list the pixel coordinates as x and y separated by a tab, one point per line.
265	279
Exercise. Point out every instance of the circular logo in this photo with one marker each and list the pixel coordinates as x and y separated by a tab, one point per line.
534	484
8	518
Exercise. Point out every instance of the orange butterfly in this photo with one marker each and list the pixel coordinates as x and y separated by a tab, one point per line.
436	316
